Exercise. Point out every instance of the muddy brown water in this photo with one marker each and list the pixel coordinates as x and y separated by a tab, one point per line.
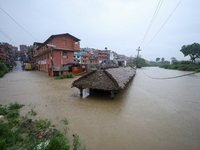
147	114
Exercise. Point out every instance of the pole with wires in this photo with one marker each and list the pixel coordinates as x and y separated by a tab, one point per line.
137	62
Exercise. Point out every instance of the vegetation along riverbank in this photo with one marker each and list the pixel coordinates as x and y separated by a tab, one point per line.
20	132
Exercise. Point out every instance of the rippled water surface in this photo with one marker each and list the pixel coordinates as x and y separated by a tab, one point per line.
147	114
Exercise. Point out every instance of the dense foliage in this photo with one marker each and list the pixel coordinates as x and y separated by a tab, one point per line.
192	50
63	76
182	65
140	61
3	69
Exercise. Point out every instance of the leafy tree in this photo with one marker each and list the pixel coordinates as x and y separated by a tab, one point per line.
163	60
173	59
157	59
140	61
192	50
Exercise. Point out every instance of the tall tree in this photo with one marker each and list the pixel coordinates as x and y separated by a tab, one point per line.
157	59
163	59
192	50
173	59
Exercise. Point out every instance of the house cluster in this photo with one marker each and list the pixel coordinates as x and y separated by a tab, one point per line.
59	54
8	53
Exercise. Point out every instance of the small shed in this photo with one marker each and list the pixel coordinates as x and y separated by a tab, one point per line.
111	79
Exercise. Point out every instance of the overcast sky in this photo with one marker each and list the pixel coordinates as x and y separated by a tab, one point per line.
119	25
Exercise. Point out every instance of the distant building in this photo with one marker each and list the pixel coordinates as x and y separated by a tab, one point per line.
93	58
7	53
85	57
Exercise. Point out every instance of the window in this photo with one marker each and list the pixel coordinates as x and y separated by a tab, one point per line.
48	66
48	56
44	56
64	42
65	54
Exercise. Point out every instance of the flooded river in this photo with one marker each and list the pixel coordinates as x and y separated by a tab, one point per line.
147	114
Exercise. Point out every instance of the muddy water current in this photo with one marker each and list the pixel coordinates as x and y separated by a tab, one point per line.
147	114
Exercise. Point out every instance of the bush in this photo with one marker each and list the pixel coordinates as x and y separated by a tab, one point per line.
197	70
14	106
12	114
62	76
2	74
3	110
58	141
69	75
3	69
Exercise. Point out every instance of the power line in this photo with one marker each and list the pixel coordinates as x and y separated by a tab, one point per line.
153	19
171	77
18	24
164	23
8	37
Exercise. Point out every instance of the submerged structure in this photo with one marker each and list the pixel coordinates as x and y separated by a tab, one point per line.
111	79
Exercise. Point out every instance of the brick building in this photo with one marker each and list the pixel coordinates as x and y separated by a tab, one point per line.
60	55
85	57
93	58
7	53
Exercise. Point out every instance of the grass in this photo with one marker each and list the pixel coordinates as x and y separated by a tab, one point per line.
43	123
3	110
14	106
33	112
65	121
12	114
16	135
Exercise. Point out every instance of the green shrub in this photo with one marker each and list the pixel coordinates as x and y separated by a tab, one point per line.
2	74
8	137
14	106
197	70
69	75
12	114
56	77
58	141
3	110
62	76
43	123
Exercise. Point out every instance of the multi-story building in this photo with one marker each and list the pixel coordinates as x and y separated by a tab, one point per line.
93	58
85	57
56	51
7	53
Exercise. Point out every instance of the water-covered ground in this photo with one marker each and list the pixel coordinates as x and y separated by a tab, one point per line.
147	114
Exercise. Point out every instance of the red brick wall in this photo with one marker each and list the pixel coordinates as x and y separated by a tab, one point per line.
64	42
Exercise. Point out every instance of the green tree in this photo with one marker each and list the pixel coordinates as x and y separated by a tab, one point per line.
192	50
162	59
173	59
157	59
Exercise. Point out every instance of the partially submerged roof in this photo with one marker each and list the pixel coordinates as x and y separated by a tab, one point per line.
112	79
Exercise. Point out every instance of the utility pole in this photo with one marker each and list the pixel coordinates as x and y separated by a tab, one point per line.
137	62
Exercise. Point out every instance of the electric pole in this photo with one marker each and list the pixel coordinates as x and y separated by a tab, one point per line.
137	62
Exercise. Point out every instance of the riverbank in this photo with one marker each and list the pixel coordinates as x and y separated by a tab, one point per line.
183	66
